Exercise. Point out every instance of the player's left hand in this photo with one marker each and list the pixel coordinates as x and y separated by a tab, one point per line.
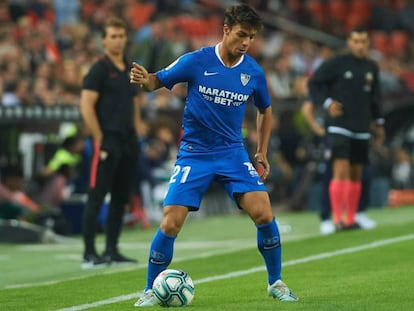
262	166
139	75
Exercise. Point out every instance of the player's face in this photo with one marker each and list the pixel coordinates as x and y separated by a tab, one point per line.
358	42
238	39
115	40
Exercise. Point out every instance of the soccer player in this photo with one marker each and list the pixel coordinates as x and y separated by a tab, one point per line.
110	110
348	88
220	80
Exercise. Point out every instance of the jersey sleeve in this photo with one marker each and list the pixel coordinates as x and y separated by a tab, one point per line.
261	97
93	79
178	71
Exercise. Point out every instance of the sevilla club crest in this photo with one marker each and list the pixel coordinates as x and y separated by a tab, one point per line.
244	78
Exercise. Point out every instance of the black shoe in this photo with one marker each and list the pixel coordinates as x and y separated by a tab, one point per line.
354	226
117	258
93	261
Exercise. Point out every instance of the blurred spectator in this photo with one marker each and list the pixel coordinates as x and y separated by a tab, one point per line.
35	52
280	78
402	170
161	148
155	50
57	179
66	12
161	101
68	154
380	166
323	53
142	203
303	58
390	76
179	42
300	87
14	203
44	93
161	151
70	82
16	93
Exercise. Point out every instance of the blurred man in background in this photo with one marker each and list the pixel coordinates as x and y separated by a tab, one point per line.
110	110
347	86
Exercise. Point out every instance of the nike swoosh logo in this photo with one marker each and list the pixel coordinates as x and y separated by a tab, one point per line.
259	183
206	73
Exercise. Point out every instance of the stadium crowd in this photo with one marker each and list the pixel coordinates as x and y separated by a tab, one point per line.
46	47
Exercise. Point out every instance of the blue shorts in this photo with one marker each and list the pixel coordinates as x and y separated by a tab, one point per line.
194	172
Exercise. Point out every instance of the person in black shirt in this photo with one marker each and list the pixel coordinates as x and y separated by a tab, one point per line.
325	167
347	86
110	110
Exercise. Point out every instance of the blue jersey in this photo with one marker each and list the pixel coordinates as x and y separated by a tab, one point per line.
216	98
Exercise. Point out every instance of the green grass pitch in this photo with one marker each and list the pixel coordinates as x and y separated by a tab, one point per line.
355	270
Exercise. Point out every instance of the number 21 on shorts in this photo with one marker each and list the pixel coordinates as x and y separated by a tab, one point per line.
184	171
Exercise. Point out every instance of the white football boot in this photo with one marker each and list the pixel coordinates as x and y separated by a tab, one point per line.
146	300
281	291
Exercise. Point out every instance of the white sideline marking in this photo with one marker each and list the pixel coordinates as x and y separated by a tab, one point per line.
111	270
292	262
134	245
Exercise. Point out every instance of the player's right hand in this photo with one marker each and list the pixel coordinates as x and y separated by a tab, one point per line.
335	109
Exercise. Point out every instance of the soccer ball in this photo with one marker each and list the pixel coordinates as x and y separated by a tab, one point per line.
173	288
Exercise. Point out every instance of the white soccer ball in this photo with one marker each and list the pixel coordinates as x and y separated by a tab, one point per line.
173	288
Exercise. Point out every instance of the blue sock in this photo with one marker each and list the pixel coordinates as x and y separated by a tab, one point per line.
161	253
268	242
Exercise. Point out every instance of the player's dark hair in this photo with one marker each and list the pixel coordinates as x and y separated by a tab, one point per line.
357	29
113	22
242	14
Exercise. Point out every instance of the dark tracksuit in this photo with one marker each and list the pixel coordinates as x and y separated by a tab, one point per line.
354	83
113	164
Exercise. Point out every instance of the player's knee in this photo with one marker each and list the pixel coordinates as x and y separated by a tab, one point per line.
263	218
173	219
170	226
